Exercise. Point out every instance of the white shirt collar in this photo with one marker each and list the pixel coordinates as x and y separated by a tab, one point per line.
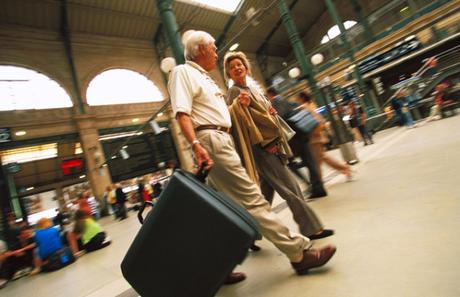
197	66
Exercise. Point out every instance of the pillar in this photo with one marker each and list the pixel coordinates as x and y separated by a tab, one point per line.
60	196
5	206
97	175
169	22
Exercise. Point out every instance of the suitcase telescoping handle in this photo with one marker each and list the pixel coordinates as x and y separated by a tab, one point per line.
201	175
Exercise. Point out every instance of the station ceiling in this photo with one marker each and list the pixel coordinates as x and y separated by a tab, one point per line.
140	19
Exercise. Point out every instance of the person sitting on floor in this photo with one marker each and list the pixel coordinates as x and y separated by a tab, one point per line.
21	244
6	267
52	254
89	231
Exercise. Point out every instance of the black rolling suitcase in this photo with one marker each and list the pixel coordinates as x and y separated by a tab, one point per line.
189	243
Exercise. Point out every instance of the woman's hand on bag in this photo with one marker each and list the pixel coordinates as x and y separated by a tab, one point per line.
272	111
244	99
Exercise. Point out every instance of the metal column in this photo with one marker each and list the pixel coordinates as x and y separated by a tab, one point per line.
65	34
351	55
342	137
172	30
299	50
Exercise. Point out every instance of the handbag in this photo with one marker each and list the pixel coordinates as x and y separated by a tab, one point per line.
287	130
303	121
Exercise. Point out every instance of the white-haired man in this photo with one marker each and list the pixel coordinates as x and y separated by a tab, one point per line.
201	110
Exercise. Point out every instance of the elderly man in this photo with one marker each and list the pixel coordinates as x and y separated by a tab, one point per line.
201	110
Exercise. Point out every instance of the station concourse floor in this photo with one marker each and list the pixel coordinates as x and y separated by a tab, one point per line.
397	231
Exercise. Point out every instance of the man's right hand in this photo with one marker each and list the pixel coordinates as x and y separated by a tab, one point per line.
201	155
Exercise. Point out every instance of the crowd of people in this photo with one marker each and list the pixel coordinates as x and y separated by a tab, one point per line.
117	199
54	243
50	244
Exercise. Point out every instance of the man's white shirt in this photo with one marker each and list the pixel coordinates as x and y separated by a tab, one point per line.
194	93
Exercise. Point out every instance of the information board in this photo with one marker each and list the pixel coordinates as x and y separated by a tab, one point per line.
145	152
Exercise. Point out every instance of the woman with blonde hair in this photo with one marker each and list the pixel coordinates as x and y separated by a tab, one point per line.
262	145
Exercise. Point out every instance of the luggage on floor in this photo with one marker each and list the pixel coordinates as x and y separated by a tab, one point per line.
190	241
59	259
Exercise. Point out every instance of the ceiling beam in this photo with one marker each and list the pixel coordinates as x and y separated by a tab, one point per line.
65	34
275	28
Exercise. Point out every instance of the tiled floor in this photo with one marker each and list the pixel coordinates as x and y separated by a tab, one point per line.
396	231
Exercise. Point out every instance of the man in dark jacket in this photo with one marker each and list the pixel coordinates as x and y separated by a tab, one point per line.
121	199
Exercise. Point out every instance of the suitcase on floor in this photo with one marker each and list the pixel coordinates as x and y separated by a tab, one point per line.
189	242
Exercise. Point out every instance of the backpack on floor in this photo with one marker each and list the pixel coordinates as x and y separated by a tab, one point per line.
59	259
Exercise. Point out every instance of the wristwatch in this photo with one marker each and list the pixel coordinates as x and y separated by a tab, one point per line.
196	141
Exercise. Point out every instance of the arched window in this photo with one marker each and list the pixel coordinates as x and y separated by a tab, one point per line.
22	88
335	31
120	86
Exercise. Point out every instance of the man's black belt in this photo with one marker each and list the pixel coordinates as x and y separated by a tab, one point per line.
213	127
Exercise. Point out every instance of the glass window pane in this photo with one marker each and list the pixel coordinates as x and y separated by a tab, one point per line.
28	154
120	86
334	31
21	88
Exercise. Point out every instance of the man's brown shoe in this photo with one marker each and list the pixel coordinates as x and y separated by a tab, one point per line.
314	258
234	277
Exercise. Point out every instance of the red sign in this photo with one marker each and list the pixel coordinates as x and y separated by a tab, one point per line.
73	166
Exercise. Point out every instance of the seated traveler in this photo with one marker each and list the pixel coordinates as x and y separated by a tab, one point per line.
52	254
89	231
